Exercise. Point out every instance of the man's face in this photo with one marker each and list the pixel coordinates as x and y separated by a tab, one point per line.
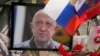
43	27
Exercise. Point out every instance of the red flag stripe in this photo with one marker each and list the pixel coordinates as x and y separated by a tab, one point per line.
94	10
71	27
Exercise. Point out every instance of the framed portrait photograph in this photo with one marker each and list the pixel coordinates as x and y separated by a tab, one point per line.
33	28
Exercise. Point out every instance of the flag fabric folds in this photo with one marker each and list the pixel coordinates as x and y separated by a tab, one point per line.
94	9
69	14
81	6
62	11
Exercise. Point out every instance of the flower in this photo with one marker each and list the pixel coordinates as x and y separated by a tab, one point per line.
78	47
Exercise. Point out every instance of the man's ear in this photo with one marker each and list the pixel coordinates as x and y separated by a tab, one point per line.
56	28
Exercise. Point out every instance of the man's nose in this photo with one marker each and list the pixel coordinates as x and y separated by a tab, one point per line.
43	28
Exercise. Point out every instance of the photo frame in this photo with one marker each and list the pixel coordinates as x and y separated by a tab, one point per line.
24	33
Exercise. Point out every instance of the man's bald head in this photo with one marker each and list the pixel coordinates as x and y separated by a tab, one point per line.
40	13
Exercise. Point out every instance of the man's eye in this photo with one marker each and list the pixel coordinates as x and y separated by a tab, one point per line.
38	22
49	24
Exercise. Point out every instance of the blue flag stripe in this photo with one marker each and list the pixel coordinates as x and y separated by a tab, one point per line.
66	15
82	9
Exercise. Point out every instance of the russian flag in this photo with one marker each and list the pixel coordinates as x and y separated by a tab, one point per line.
81	6
86	9
63	12
70	13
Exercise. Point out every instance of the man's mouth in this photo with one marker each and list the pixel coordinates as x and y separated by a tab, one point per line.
42	35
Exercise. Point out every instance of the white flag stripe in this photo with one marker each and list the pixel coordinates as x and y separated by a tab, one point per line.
55	7
79	4
18	31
